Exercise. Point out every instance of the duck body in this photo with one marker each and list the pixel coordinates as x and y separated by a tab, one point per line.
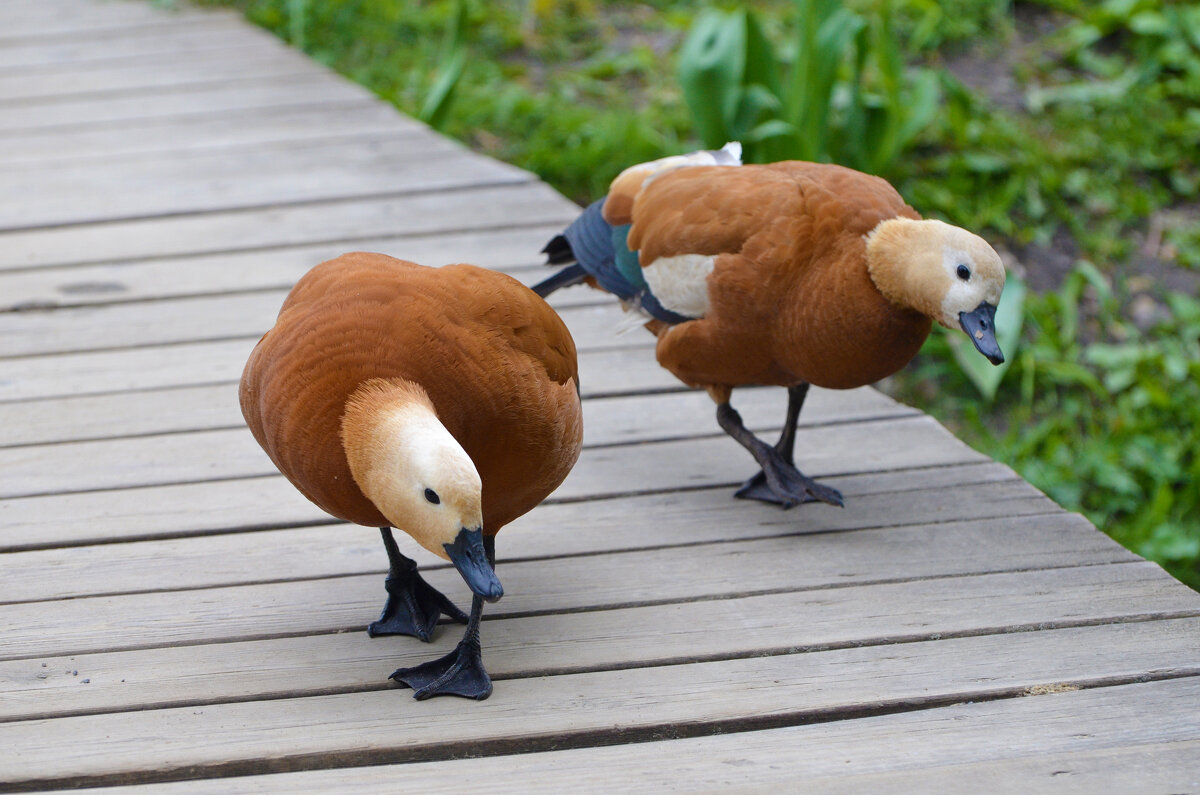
497	363
440	401
785	274
789	298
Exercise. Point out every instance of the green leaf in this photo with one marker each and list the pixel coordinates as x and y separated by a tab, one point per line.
450	68
711	66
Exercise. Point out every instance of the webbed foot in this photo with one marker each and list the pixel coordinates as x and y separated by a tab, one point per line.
413	607
794	488
459	673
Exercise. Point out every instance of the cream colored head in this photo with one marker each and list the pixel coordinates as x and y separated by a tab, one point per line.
935	268
408	464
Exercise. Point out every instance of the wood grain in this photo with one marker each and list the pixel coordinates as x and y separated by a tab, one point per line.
1013	745
282	734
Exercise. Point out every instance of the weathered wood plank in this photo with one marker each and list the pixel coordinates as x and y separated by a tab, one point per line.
535	646
227	506
289	733
210	407
106	372
47	20
1013	745
202	32
245	53
337	224
253	93
193	319
276	128
575	528
700	572
190	364
506	249
893	443
222	180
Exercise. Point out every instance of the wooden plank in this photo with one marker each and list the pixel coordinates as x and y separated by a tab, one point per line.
228	506
255	92
106	372
244	61
520	648
44	19
1012	745
214	31
906	441
116	34
207	181
616	419
338	224
506	249
530	713
189	364
336	550
277	128
192	319
707	572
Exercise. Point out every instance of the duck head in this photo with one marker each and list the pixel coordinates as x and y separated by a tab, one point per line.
418	476
944	272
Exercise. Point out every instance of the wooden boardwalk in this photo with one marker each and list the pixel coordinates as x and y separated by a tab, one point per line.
173	611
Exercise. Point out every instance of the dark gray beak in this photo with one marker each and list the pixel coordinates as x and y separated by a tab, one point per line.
469	557
980	325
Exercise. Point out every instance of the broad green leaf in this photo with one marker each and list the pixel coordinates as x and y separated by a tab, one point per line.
711	67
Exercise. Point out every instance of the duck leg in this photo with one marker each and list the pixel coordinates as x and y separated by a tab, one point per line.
779	482
413	606
461	672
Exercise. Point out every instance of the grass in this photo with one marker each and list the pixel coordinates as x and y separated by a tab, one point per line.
1066	134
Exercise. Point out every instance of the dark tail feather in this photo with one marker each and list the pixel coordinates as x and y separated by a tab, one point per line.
558	251
572	274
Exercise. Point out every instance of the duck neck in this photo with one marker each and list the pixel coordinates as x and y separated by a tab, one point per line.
895	250
390	433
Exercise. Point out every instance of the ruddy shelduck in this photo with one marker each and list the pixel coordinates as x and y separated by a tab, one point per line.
789	274
440	401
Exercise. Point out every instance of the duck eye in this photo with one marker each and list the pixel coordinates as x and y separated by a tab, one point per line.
964	272
432	496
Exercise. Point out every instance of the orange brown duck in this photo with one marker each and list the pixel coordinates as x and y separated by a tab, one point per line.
440	401
788	274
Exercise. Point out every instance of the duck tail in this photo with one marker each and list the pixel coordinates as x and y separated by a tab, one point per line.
588	242
567	277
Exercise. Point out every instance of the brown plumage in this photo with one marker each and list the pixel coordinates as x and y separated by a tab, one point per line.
368	355
790	274
790	299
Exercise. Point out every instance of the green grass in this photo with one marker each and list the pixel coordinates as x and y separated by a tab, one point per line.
1090	157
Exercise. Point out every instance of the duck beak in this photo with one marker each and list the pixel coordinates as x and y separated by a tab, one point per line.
980	325
470	558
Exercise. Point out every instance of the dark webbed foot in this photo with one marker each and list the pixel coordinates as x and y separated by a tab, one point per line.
413	606
779	482
459	673
791	487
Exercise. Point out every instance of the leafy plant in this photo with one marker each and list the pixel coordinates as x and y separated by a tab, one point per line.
842	93
1106	418
450	67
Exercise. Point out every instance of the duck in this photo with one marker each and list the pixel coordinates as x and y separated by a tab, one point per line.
443	402
788	274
